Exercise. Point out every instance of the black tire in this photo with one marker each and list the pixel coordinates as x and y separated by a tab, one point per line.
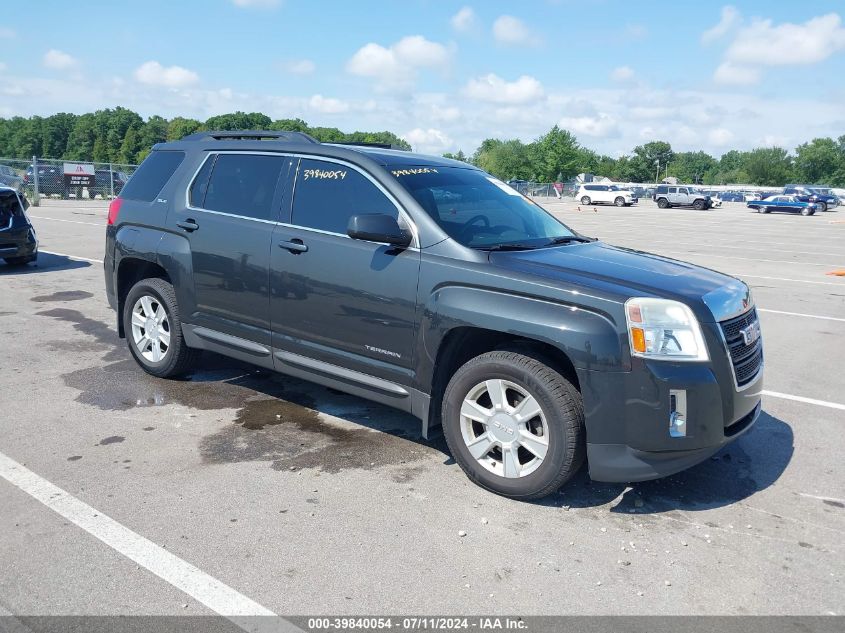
662	203
698	205
821	206
561	405
21	261
585	200
619	202
179	358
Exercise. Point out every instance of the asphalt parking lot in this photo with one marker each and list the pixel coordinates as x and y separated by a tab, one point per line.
308	501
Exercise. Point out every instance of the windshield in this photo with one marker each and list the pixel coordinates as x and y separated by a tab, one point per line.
478	210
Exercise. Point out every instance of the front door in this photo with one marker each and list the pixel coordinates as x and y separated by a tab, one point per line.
335	299
229	221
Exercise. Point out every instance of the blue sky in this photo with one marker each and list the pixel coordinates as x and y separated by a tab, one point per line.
446	75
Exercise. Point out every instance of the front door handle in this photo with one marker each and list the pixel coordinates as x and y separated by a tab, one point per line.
295	246
189	225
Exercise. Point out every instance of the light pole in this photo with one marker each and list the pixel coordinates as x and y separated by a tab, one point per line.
657	171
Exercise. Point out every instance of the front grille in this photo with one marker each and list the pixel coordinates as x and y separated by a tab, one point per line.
746	359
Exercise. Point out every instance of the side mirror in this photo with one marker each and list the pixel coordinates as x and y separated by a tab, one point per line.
378	227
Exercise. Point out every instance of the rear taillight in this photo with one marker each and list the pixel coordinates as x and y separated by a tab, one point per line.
114	209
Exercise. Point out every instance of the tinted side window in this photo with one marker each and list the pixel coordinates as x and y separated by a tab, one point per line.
328	194
244	184
152	175
200	184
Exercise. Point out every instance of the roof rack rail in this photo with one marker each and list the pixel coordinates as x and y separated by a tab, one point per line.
291	137
367	144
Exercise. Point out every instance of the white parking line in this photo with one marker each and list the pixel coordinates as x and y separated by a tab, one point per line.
821	403
203	588
800	281
41	217
834	499
84	259
801	314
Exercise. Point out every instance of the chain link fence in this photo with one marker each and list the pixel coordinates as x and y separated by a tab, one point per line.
48	178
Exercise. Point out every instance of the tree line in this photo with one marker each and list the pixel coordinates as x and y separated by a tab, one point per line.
119	135
557	155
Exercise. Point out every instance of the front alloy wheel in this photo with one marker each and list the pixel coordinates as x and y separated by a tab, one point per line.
504	428
514	424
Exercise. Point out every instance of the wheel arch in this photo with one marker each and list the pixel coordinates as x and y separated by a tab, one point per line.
131	270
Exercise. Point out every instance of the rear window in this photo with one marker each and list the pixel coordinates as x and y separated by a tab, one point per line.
152	175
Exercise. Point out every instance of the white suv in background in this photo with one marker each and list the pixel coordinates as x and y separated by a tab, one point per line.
607	194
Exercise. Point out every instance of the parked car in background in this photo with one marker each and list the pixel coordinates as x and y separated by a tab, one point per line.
681	196
106	185
10	178
606	194
731	196
51	179
821	196
18	243
782	202
520	185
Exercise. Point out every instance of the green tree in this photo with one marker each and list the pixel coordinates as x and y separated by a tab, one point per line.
819	161
556	152
180	127
768	166
691	167
648	157
504	159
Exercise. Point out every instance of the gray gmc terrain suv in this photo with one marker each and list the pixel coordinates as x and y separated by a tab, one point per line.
428	285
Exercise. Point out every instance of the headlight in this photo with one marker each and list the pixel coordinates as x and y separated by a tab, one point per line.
664	329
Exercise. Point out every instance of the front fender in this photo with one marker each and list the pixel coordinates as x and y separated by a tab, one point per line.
589	337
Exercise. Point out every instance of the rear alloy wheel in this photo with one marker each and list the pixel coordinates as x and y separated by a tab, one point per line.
821	206
514	425
698	205
585	200
154	331
807	211
619	202
662	203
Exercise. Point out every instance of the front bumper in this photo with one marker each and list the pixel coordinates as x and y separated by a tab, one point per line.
18	241
628	414
621	463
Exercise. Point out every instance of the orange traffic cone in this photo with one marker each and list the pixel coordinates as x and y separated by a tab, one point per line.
837	273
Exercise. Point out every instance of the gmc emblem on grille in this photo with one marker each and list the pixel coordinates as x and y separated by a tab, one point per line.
751	333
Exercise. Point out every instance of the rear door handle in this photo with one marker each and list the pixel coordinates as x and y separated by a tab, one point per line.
189	225
295	246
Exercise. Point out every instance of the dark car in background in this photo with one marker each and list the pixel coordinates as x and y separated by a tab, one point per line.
816	194
9	177
18	243
107	183
731	196
51	179
782	202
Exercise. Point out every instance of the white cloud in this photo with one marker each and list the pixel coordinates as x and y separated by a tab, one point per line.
464	20
154	74
7	33
730	18
431	140
299	66
494	89
720	137
733	75
395	67
622	73
764	44
512	31
257	4
57	60
328	105
601	126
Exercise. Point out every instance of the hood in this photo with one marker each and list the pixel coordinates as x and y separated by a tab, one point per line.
627	273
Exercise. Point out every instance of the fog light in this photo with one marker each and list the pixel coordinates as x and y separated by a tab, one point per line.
677	413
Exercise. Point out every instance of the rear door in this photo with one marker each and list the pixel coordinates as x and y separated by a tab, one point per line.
228	218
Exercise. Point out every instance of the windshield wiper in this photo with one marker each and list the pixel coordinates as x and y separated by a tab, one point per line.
568	239
506	247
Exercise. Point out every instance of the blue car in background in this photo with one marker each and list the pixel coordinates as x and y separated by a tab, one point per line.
782	202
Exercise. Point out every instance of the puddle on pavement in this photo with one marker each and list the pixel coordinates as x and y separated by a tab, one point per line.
64	295
277	418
